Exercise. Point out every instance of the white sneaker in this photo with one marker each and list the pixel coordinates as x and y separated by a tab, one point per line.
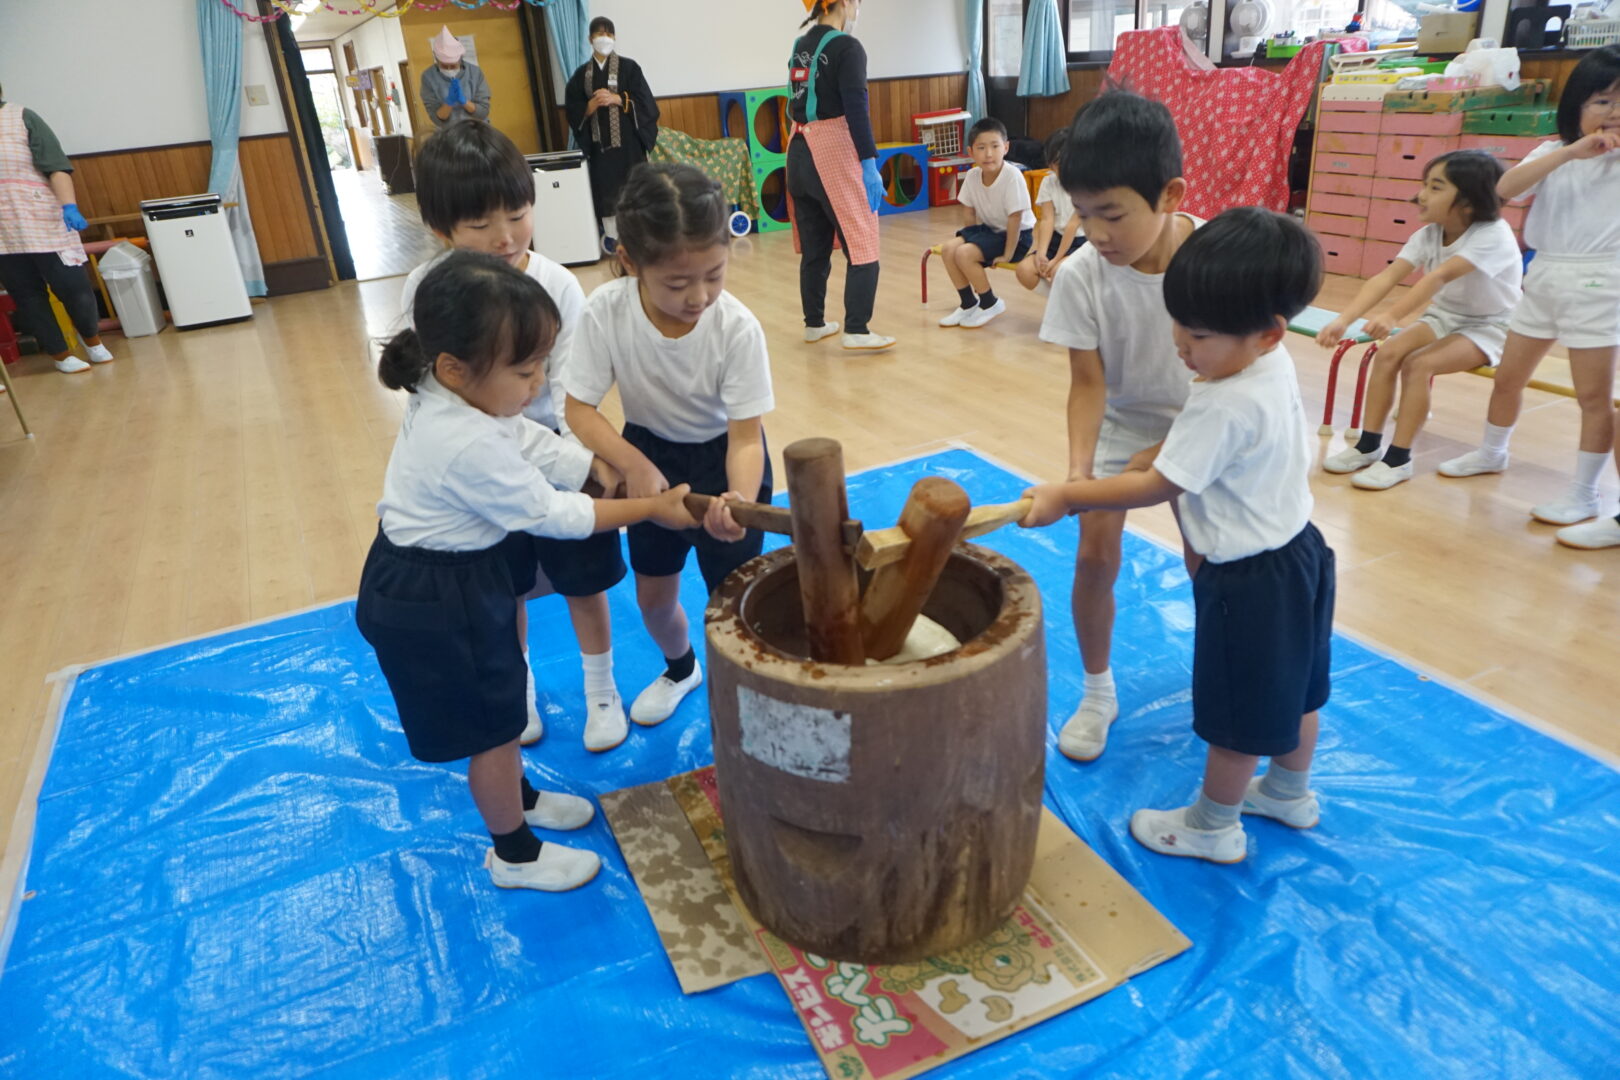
981	315
868	342
1381	477
1593	536
1566	511
72	366
657	703
558	869
1349	460
813	334
1085	736
99	354
1474	463
554	810
1301	813
1167	832
955	318
605	725
535	727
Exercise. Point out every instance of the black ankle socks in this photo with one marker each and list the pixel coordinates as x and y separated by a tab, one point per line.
1396	456
519	845
681	667
1370	441
968	299
987	299
530	795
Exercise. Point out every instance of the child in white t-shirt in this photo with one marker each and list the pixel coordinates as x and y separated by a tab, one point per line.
1572	290
1057	230
1237	461
1472	268
694	381
476	193
999	226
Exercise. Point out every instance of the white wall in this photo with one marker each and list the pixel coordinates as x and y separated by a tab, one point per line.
741	44
377	43
143	88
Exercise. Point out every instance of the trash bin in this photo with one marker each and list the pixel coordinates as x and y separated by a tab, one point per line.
127	270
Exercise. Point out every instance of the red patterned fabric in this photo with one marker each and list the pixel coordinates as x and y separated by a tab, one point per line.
1237	125
833	152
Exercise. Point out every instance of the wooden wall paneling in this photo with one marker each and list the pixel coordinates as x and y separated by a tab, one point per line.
1555	68
1046	115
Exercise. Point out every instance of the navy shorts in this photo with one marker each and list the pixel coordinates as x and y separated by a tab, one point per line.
1057	238
1263	645
992	241
581	567
659	552
444	626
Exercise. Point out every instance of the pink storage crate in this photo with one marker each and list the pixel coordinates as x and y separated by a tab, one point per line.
1323	202
1344	142
1376	257
1434	124
1335	105
1404	156
1384	187
1341	184
1341	254
1356	164
1337	224
1507	147
1393	222
1364	122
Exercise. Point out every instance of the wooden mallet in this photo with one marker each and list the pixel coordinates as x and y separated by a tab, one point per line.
883	547
766	518
819	507
932	521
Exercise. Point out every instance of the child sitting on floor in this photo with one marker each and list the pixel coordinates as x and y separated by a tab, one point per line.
1237	460
1057	226
999	226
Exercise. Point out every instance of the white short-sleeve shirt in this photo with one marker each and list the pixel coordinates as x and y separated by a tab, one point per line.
1492	290
1052	194
684	389
460	479
1119	312
564	289
1575	208
1241	452
1007	195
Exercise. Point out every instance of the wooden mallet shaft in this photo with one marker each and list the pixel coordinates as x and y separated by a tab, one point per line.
882	547
767	518
819	506
932	520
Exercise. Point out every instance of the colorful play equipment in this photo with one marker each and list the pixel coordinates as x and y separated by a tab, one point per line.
904	169
770	189
768	124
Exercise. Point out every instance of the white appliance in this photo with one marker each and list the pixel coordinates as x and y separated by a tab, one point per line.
196	259
1246	24
564	213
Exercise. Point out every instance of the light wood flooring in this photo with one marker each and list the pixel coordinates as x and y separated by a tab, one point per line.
224	475
386	234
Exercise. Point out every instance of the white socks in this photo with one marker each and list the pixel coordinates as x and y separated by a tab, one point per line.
598	674
1209	815
1588	467
1496	439
1286	784
1099	688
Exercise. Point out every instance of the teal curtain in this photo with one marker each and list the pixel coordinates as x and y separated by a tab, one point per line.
220	32
1045	70
566	21
973	30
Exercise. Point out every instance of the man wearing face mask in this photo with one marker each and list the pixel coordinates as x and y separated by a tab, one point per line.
614	117
832	173
453	89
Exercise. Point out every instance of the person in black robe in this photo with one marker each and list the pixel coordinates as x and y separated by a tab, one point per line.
614	116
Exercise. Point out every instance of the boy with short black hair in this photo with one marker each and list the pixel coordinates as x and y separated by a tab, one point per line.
1121	169
1000	226
1237	461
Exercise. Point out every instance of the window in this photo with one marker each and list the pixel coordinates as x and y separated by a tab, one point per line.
1093	26
317	59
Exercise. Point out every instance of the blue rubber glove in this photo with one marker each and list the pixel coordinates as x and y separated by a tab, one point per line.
73	219
874	183
455	95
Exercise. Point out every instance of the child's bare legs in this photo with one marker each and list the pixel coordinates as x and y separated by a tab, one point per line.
947	255
970	261
1520	358
1096	568
496	779
593	627
1448	356
1029	274
662	614
1592	371
1386	373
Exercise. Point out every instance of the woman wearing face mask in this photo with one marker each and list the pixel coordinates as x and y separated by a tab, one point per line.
453	89
614	116
832	172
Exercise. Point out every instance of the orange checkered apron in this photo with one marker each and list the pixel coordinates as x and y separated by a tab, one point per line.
30	216
833	151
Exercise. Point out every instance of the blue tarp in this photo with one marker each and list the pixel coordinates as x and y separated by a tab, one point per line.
239	871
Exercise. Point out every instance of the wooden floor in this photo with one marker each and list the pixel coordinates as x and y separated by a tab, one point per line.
386	234
223	475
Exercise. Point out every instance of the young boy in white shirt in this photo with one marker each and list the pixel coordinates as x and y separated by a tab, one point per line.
1237	460
1121	169
1000	226
1057	229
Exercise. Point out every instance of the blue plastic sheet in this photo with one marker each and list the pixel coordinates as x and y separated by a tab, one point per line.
239	871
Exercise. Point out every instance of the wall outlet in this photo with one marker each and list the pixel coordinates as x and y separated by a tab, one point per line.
257	95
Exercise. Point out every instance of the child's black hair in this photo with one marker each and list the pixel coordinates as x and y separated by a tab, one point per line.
667	208
479	309
601	22
985	126
1597	71
1238	273
1474	174
1120	139
1055	143
468	171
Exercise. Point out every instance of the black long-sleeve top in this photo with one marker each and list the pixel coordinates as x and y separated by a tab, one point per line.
840	86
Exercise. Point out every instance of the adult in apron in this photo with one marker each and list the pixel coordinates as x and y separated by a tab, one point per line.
614	116
39	238
832	173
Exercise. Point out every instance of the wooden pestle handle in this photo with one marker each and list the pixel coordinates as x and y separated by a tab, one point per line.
882	547
765	517
819	506
932	520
